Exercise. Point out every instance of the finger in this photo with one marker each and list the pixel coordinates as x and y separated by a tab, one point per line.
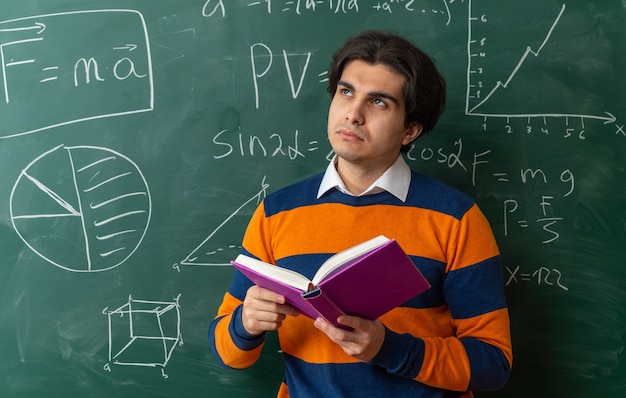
266	300
256	319
278	301
256	326
263	294
323	325
355	322
265	316
338	335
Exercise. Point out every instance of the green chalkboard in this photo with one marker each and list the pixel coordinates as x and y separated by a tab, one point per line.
136	138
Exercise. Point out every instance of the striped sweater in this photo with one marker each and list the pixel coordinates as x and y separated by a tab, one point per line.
446	342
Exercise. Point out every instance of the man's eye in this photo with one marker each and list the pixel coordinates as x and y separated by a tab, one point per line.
379	102
345	91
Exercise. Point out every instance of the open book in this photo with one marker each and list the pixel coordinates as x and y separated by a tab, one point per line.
366	280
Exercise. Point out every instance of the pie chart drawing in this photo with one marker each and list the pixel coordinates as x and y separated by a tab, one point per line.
81	208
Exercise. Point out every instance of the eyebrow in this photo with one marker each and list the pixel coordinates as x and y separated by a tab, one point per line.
377	94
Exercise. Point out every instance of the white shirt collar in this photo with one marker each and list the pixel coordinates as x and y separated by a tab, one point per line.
395	180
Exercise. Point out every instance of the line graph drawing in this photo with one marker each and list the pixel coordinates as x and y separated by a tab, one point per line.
529	51
207	253
143	333
81	208
533	87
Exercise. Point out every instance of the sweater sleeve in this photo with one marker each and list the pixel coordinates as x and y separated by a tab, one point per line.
231	344
478	356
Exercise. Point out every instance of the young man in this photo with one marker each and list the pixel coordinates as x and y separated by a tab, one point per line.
446	342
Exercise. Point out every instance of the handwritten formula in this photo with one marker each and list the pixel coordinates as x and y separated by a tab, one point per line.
93	74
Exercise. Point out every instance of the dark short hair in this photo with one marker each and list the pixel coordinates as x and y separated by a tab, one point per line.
425	87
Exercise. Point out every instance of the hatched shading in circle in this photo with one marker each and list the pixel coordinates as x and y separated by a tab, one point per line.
81	208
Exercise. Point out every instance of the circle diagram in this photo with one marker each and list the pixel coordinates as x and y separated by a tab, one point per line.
81	208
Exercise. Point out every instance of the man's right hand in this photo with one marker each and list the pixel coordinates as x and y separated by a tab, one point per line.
264	310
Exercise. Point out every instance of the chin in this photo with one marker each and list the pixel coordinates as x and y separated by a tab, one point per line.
346	150
348	155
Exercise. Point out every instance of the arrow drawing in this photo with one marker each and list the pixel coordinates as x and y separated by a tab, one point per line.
39	27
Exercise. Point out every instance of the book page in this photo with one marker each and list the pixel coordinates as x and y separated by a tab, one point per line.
343	257
283	275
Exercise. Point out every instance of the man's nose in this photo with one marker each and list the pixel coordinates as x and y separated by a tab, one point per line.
356	114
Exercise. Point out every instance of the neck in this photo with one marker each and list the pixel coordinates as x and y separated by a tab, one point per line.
357	178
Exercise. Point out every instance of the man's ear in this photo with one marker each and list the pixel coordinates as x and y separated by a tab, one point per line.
412	132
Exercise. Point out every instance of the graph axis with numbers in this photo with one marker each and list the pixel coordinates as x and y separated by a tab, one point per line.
481	95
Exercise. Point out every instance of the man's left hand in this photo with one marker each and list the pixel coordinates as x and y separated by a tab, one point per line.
362	343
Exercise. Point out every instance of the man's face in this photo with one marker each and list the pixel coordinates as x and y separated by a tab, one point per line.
366	116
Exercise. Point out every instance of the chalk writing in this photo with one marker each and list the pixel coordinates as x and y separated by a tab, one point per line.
541	276
391	6
247	144
93	74
211	7
451	159
218	8
560	183
548	224
260	50
300	6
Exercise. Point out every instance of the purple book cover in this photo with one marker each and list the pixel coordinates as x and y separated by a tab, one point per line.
383	279
368	286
